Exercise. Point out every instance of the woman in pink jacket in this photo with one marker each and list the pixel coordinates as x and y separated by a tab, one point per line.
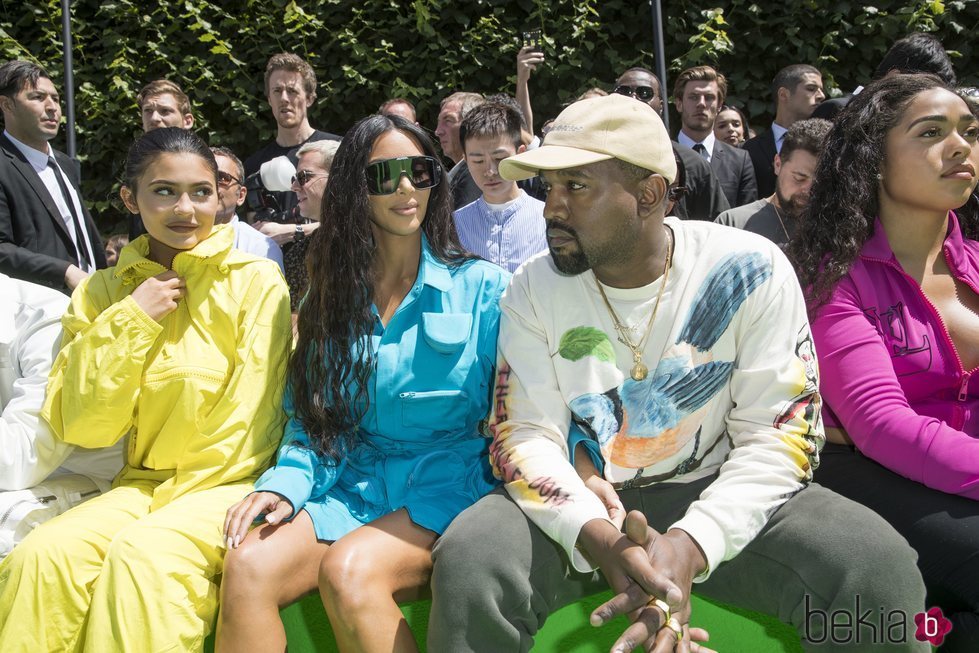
889	254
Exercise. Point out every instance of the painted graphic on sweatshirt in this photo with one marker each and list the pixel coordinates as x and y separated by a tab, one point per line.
640	423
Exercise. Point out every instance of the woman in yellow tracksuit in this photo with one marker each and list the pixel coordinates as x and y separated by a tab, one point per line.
183	348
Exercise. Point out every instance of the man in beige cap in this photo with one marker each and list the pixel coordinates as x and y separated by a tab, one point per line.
664	367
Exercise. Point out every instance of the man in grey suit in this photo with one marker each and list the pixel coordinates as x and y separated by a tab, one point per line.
698	95
46	234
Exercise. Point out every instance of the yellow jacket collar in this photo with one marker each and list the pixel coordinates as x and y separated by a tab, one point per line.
134	261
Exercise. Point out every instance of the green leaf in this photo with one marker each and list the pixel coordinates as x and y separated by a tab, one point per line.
586	341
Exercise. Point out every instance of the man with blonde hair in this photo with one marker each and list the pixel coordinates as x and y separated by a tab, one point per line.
702	197
698	95
309	186
290	87
163	103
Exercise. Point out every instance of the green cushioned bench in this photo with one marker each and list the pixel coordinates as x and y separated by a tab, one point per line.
566	631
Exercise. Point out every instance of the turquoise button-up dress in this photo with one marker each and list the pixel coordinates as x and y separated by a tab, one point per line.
421	447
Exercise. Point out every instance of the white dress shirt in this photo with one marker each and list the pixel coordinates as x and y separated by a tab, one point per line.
251	240
708	142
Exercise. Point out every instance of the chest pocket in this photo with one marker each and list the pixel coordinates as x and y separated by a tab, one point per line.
446	336
446	333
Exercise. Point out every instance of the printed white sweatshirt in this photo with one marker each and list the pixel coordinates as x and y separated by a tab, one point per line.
732	384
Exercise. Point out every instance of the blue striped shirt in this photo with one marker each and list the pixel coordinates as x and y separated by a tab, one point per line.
507	237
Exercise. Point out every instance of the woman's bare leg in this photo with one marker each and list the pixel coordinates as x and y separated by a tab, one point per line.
363	576
273	567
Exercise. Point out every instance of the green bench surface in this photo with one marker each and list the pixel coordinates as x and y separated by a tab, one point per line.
566	631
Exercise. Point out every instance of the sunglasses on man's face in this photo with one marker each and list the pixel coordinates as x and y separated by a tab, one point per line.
303	177
644	93
226	180
383	177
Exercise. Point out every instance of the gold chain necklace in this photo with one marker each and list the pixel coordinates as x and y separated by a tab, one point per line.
778	215
639	370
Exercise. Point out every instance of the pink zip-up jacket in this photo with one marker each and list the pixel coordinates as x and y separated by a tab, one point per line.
890	374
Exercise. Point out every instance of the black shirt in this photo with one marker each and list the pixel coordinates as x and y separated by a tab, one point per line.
287	199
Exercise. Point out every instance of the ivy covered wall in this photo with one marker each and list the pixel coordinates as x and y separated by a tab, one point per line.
365	51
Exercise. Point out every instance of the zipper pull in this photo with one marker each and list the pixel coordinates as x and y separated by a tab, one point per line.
964	386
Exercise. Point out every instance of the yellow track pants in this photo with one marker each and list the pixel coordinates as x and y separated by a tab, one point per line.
109	575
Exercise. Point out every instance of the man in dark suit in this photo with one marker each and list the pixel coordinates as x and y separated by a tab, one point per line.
702	197
797	90
698	95
46	234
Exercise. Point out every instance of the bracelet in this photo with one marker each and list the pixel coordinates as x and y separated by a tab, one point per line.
300	234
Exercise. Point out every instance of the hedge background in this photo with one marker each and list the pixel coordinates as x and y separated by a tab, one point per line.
365	51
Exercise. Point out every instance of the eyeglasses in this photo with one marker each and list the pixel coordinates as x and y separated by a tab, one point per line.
644	93
303	177
225	179
384	176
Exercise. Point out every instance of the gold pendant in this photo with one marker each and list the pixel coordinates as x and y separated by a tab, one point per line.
639	371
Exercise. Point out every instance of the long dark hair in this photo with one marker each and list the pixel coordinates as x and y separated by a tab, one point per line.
843	202
332	365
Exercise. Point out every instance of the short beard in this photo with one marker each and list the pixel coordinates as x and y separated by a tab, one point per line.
573	263
791	209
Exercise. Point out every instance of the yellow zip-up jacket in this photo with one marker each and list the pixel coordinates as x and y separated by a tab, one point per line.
200	393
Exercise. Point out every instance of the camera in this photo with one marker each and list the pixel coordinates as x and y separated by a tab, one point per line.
275	176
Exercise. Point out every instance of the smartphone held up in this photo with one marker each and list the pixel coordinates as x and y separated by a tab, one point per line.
532	39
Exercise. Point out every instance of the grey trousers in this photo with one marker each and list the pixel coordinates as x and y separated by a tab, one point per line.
831	568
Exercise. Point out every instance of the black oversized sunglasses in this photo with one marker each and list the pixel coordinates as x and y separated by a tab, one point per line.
384	176
644	93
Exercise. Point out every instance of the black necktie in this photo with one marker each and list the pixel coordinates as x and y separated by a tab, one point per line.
700	149
83	259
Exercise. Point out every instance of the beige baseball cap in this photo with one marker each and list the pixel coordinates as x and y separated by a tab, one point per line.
599	129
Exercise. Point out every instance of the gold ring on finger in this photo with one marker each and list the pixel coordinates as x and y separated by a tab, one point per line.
673	624
662	605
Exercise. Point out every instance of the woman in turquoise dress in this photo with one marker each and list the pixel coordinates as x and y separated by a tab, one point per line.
389	385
